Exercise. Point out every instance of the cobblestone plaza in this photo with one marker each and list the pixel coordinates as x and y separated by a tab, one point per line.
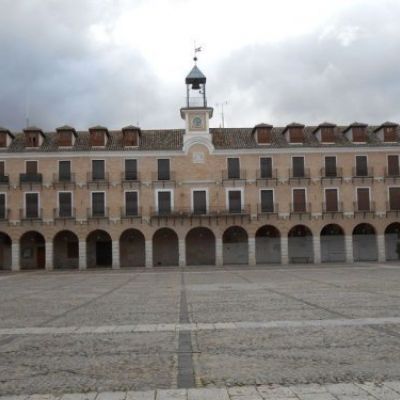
178	330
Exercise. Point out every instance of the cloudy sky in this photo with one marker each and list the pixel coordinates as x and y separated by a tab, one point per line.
116	62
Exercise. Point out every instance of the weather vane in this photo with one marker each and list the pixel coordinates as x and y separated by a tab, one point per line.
196	50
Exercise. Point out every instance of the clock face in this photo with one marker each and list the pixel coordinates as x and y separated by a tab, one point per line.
197	122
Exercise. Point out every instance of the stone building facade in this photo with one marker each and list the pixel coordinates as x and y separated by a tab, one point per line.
199	196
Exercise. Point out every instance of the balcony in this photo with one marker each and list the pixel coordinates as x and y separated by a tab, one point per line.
98	214
332	210
300	210
131	214
268	210
364	210
392	175
4	180
63	180
98	181
31	215
299	175
363	174
233	177
30	179
64	214
266	179
4	214
130	179
392	209
163	179
331	175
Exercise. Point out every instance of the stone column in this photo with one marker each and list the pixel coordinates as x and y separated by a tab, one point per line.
49	256
149	253
15	253
182	252
317	249
219	253
284	250
381	248
115	254
348	242
252	251
82	255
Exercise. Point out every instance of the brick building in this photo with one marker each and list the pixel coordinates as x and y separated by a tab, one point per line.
199	196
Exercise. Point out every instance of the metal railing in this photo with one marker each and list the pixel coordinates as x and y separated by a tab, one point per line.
233	175
4	214
363	172
267	174
190	212
390	206
4	179
360	208
299	174
130	176
30	215
126	213
332	208
300	208
97	213
330	173
30	178
163	177
61	213
272	208
394	173
91	178
57	178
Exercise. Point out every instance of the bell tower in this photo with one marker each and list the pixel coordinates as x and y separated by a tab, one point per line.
196	113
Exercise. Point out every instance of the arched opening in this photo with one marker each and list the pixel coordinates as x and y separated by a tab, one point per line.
300	243
392	242
165	248
332	244
132	249
268	245
5	251
200	247
364	243
235	246
65	250
33	253
99	249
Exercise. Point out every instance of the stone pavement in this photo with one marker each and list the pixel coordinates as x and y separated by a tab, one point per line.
389	390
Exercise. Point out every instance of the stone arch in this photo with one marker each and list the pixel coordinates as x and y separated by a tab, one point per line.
333	247
392	241
99	249
235	246
5	251
365	246
32	250
300	244
200	246
132	248
65	250
268	245
165	248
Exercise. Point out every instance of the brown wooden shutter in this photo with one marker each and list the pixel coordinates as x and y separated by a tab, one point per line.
31	167
264	135
331	200
363	199
130	138
97	138
389	134
298	167
393	165
394	198
164	202
2	168
233	168
299	200
330	166
266	167
359	134
65	138
235	201
327	135
3	139
296	135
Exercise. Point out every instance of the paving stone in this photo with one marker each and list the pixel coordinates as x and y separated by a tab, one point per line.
244	393
276	392
208	394
79	396
393	385
43	397
348	389
177	394
149	395
14	397
111	396
379	391
316	396
309	388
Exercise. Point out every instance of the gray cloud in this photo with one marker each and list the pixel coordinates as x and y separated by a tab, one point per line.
343	72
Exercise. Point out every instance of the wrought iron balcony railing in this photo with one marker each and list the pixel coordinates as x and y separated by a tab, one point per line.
31	178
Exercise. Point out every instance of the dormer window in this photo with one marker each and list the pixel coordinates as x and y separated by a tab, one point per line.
33	137
357	132
130	136
66	136
390	134
263	134
5	137
98	136
294	133
325	133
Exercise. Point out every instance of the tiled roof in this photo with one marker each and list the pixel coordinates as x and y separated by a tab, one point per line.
223	139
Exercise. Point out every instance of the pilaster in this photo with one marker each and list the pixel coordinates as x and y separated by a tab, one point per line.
15	253
252	251
49	256
381	248
218	253
82	255
317	249
348	241
149	253
182	252
115	254
284	250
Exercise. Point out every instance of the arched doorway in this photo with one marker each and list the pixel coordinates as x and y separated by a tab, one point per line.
300	243
392	241
332	244
235	246
165	248
66	250
364	243
200	247
5	251
33	254
99	249
132	249
268	245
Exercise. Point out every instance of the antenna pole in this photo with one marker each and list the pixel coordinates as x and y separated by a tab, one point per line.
224	103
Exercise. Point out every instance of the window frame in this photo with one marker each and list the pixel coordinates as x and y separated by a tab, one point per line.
38	203
72	201
171	197
192	190
137	200
234	189
273	199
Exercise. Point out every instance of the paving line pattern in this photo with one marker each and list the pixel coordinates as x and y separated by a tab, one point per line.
389	390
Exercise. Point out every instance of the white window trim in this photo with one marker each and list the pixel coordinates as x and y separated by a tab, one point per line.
329	156
105	199
39	202
199	190
172	197
387	159
137	195
267	190
65	191
362	187
234	189
331	188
